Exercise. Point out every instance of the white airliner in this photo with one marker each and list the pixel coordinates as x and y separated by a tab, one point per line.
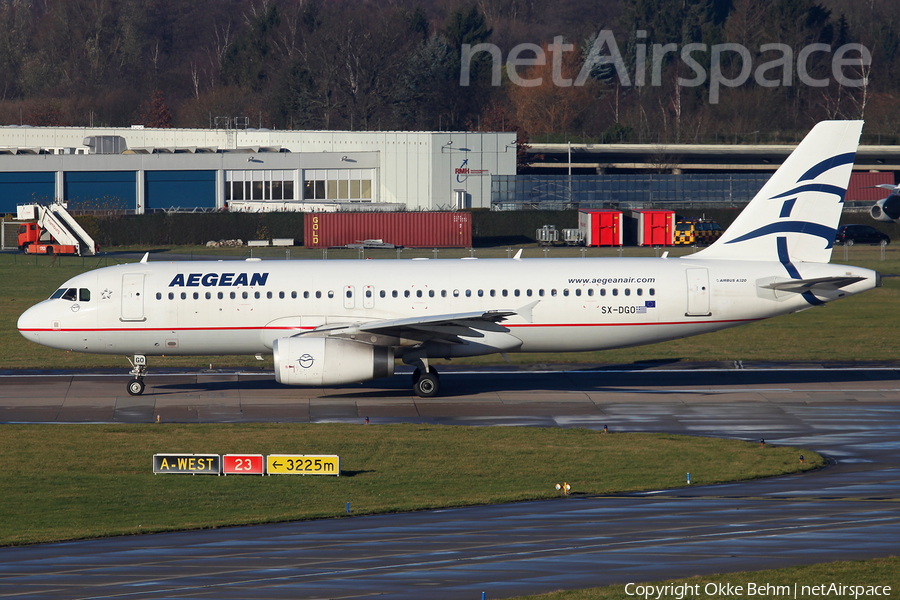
337	322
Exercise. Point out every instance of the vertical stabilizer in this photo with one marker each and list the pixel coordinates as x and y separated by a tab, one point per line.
795	216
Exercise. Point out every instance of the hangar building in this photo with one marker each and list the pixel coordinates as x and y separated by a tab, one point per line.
143	170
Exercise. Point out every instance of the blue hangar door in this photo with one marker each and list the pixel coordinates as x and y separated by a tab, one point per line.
101	189
23	188
180	189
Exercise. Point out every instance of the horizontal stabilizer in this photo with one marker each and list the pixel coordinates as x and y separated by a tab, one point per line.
801	286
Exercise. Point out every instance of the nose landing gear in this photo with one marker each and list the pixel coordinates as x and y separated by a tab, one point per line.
136	385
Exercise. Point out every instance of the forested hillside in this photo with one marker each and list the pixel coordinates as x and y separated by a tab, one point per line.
397	65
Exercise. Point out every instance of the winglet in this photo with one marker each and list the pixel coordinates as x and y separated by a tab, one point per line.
518	255
146	256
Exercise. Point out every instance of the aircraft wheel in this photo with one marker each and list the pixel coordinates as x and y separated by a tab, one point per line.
849	242
136	387
428	385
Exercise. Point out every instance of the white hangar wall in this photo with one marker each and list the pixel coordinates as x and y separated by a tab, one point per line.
419	170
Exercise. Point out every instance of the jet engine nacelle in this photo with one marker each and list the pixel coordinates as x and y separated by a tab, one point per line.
887	209
329	361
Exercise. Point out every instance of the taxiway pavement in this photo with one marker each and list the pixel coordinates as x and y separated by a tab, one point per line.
847	511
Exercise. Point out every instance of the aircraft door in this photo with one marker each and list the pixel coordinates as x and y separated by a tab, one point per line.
369	296
349	292
698	293
133	297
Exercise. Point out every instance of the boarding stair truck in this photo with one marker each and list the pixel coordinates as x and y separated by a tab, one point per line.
52	230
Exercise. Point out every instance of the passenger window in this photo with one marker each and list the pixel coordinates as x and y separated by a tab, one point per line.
468	293
269	295
640	292
84	295
516	293
493	293
183	296
418	293
590	291
652	292
566	292
541	293
627	291
318	294
293	295
256	295
480	293
244	295
221	295
406	293
382	293
615	291
368	293
232	295
553	292
394	294
330	294
602	291
431	293
443	293
158	296
456	293
196	295
349	294
528	293
209	295
505	293
171	296
578	292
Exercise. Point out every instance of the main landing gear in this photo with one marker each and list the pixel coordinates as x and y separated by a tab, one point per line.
136	385
426	384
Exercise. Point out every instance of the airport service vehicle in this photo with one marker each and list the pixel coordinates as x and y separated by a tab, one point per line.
52	231
860	234
338	322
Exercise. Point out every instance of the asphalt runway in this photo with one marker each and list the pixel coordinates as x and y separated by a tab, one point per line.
847	511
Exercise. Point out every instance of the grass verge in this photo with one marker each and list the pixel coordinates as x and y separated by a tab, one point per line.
85	481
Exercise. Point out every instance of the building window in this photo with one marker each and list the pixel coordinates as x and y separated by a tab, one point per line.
259	184
338	184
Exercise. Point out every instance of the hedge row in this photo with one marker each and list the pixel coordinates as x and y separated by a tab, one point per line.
488	228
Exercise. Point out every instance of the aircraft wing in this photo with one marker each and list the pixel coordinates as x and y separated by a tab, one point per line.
801	286
445	328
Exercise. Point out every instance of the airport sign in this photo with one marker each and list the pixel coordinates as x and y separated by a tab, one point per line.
188	464
303	464
242	464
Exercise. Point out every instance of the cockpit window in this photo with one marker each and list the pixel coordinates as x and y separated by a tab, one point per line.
84	295
71	294
58	293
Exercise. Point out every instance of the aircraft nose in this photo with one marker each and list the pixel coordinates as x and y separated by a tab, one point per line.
29	323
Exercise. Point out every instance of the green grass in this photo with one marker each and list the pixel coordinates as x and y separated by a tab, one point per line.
84	481
874	572
847	330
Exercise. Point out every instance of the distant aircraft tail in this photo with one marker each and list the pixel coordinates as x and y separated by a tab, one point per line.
795	216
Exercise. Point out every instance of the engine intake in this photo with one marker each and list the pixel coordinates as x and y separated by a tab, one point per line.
329	361
887	209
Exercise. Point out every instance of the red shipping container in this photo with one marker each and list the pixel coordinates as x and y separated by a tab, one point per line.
655	227
862	187
411	230
601	227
